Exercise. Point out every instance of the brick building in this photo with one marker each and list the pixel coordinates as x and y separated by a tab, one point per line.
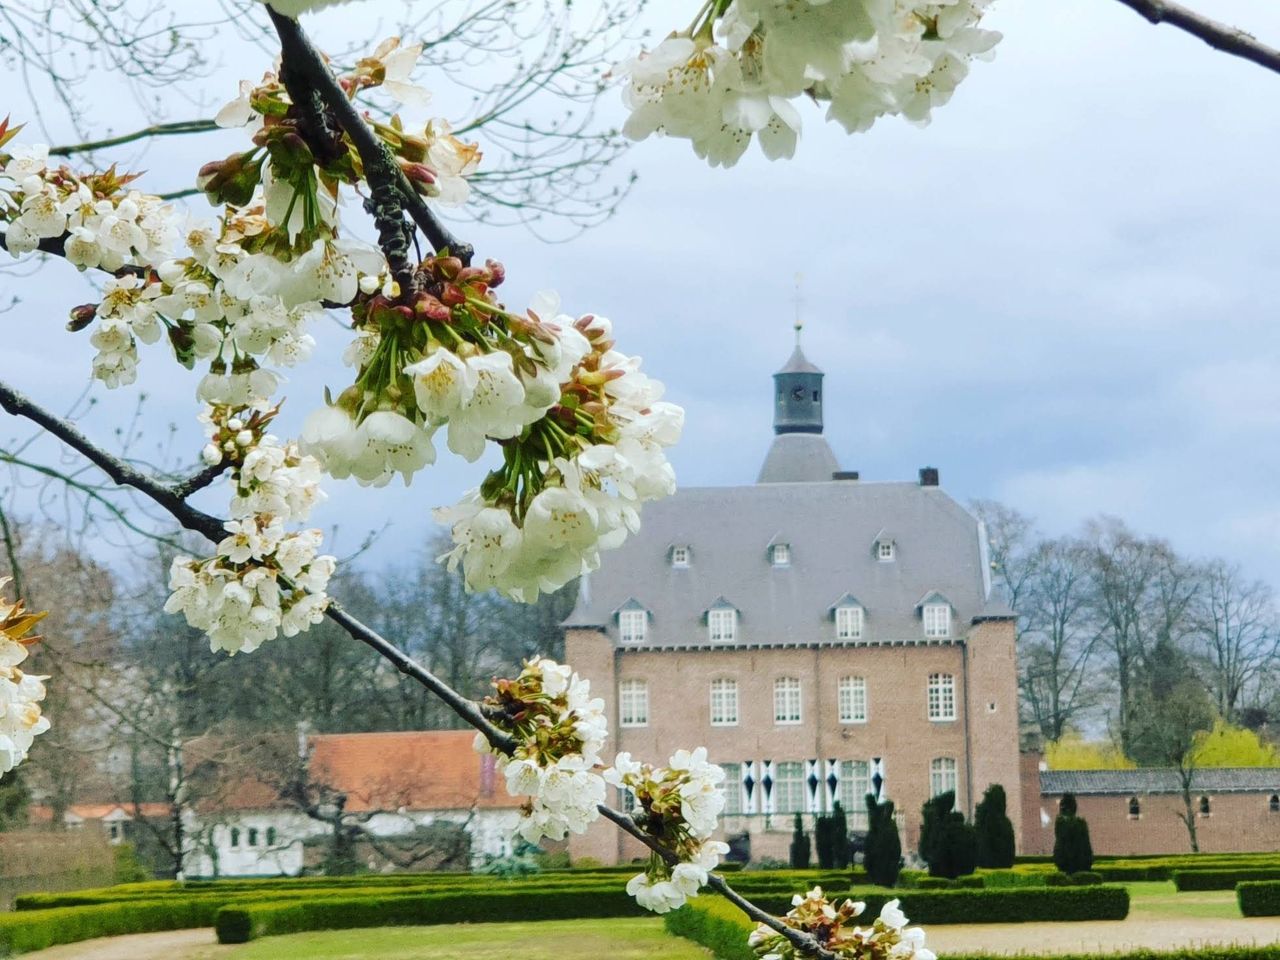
823	637
1134	812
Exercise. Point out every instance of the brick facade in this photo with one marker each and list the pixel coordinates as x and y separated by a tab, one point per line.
897	738
1237	822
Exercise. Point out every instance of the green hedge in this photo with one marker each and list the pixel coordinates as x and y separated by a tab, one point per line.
35	930
239	923
1081	878
1259	898
1221	879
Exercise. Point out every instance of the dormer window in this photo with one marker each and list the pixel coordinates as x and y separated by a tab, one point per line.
937	619
680	556
780	555
633	625
884	550
722	622
848	622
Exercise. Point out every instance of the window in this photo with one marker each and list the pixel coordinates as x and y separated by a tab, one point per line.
1204	806
1274	803
937	620
235	836
732	789
852	699
271	836
632	625
786	700
788	787
1135	808
848	622
780	554
724	703
855	784
633	703
942	776
722	625
680	556
626	800
253	836
942	696
113	831
884	550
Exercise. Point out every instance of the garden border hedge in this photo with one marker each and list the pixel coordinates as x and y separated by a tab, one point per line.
1221	879
1259	898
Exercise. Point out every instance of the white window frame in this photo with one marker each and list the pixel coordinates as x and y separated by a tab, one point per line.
851	699
633	703
722	625
724	702
780	555
884	551
680	556
633	626
937	619
944	775
788	787
942	697
732	789
855	784
849	622
788	701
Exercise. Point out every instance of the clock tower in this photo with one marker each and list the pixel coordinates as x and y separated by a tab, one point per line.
800	452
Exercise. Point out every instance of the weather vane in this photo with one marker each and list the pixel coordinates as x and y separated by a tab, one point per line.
798	324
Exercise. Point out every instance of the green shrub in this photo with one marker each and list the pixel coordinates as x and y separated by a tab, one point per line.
800	849
1081	878
37	929
1259	898
1072	849
947	843
238	923
994	828
1221	879
883	857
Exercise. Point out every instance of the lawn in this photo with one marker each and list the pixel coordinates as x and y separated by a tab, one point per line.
639	938
1158	898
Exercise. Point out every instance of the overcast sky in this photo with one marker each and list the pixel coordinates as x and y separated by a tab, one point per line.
1062	293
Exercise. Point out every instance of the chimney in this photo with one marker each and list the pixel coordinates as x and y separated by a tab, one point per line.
928	476
845	475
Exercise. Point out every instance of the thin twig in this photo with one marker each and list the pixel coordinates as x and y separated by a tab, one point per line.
198	481
1220	36
159	130
379	165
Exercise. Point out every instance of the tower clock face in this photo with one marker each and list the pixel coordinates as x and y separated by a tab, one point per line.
797	393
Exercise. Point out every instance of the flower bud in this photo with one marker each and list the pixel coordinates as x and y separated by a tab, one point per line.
497	272
244	438
430	308
235	424
453	295
211	455
81	317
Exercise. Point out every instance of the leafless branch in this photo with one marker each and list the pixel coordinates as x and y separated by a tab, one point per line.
1220	36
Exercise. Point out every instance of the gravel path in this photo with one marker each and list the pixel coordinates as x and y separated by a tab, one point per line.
198	944
1101	936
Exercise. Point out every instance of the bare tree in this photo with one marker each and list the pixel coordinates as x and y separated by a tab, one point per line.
1236	633
1057	675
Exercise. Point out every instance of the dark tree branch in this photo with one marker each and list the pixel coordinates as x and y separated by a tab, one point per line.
198	481
1220	36
391	188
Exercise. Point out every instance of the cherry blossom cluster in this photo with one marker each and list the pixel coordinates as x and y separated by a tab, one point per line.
263	579
20	693
559	731
725	81
679	806
887	938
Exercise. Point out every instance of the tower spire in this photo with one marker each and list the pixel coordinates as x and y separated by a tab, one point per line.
799	322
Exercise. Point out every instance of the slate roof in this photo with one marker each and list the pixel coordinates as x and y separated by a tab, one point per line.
1156	780
798	458
831	527
798	363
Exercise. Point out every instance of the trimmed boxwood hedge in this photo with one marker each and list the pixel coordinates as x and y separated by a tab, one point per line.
35	930
239	923
1259	898
1221	879
723	929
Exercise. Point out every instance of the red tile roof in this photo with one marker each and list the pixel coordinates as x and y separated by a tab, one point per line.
98	811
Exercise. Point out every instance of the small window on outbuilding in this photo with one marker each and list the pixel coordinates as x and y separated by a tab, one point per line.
253	836
271	836
1135	808
1204	806
235	836
1274	803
